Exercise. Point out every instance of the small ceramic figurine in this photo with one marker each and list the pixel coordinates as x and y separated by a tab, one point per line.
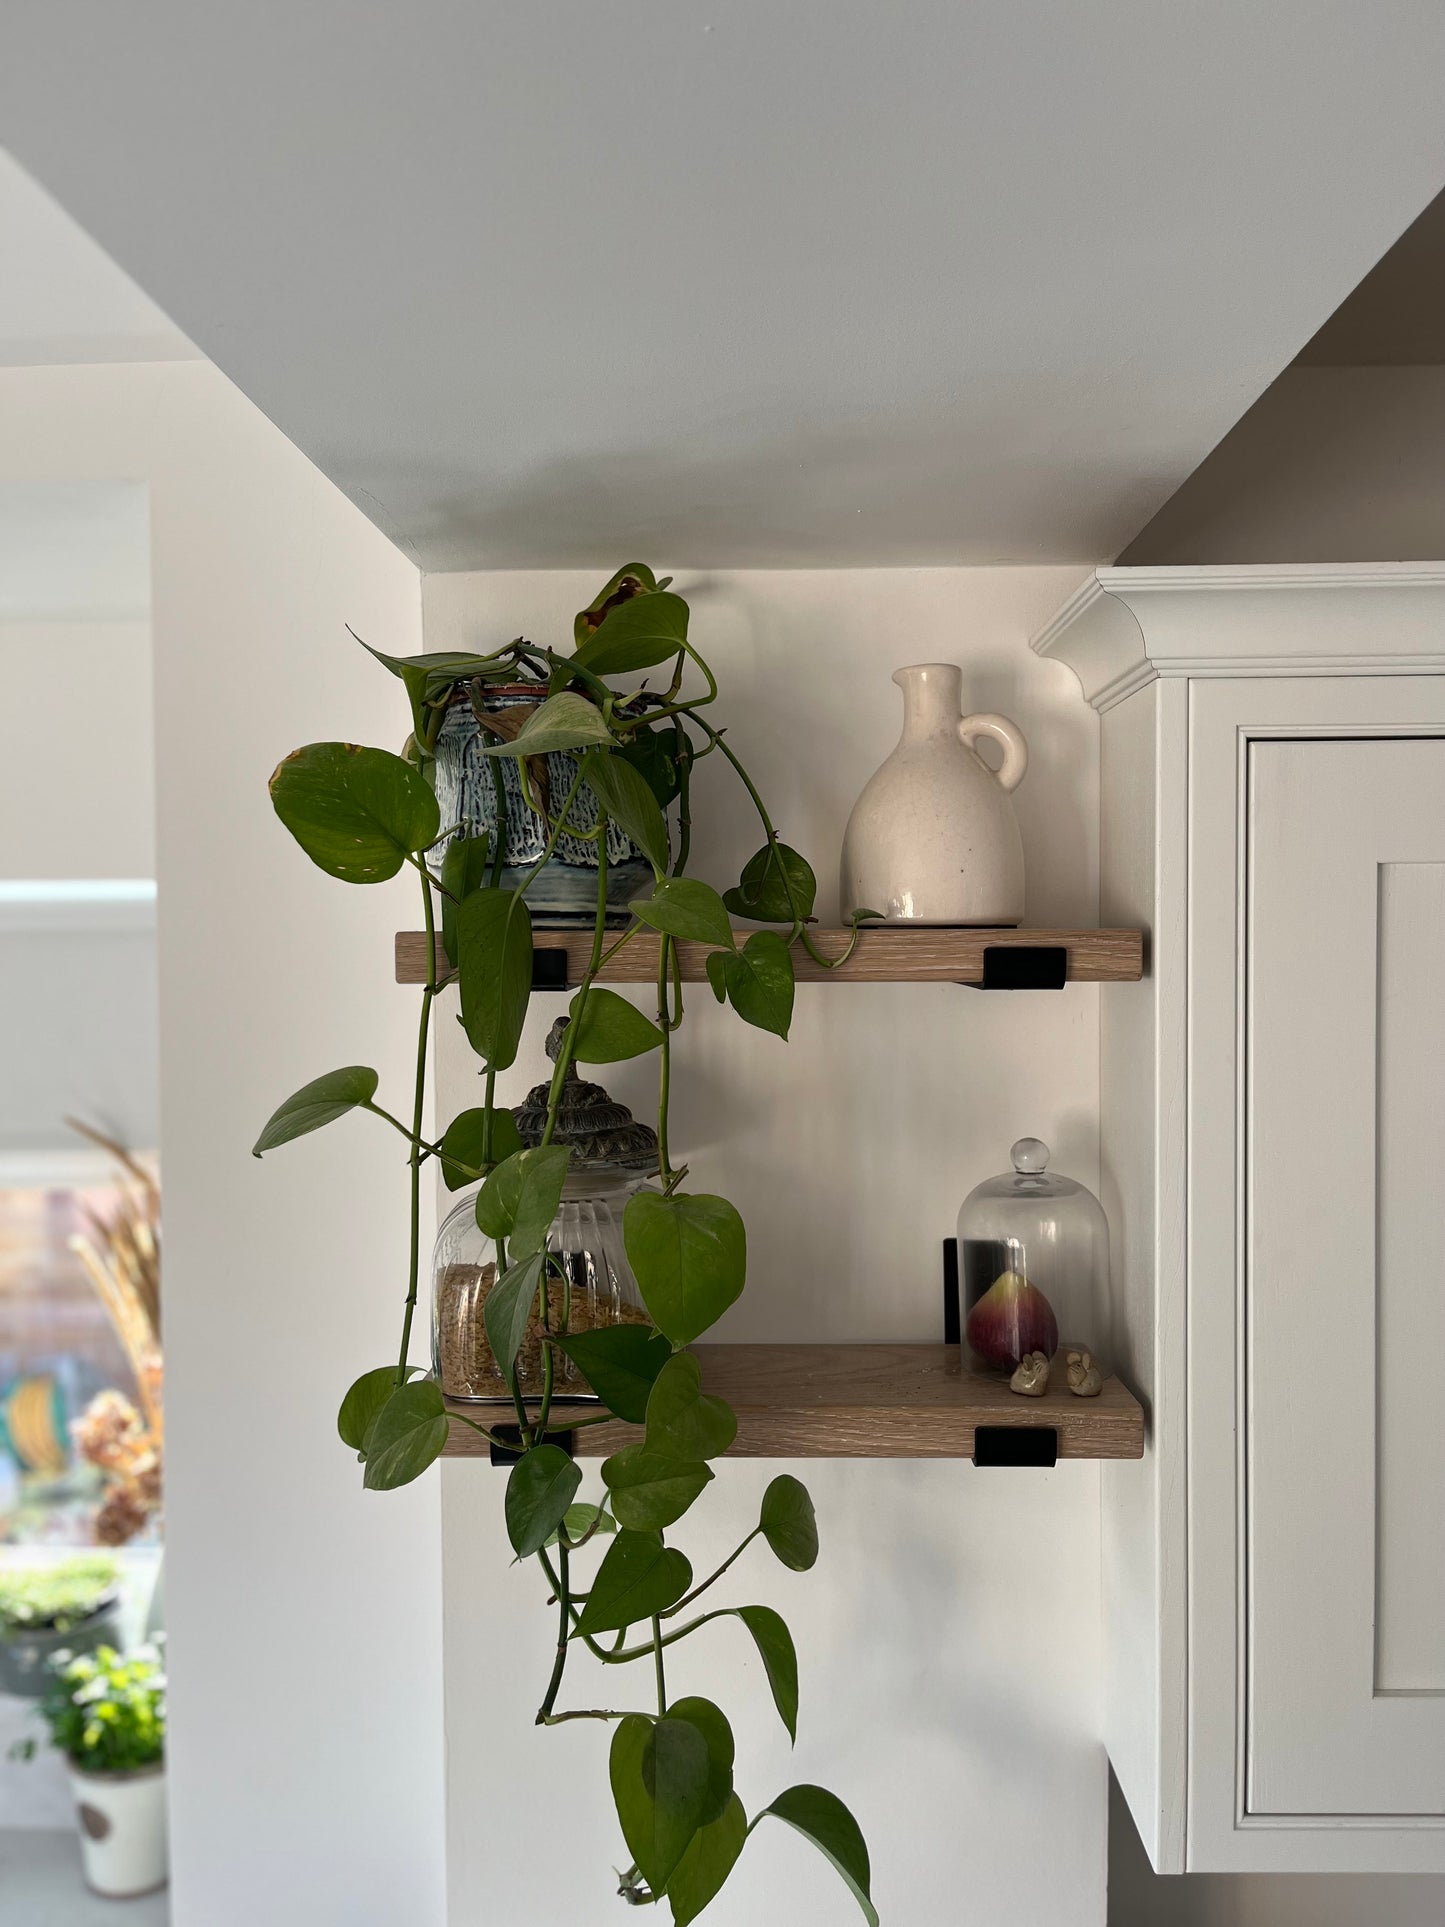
1031	1380
933	838
1084	1379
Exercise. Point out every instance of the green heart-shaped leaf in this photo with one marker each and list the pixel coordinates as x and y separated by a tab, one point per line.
628	800
636	575
364	1400
540	1488
638	634
520	1198
357	813
638	1577
620	1363
759	981
762	892
658	756
788	1522
609	1029
407	1433
659	1774
565	721
712	1723
689	1255
780	1659
464	869
494	969
820	1816
320	1102
507	1309
648	1491
463	1145
684	1421
707	1860
687	908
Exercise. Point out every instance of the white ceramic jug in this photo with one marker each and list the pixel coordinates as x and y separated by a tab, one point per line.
933	837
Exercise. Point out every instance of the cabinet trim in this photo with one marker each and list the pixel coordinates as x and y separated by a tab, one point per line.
1123	628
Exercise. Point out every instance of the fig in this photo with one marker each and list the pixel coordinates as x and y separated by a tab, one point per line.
1012	1319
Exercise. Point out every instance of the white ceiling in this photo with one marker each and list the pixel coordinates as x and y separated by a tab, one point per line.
824	282
62	299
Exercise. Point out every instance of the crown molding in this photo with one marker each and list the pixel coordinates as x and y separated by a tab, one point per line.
1122	628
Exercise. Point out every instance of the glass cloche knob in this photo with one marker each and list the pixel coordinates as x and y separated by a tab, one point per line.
1030	1156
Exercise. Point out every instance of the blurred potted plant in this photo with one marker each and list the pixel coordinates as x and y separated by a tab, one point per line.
47	1609
107	1715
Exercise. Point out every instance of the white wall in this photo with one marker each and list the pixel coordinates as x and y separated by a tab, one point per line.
1329	465
77	805
77	757
949	1637
306	1731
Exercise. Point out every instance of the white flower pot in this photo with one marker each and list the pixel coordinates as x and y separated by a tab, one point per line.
122	1819
933	838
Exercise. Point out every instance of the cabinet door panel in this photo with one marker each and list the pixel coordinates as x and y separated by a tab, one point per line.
1344	1278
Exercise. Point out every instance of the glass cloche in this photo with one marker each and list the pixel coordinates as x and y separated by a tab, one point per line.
589	1281
1033	1254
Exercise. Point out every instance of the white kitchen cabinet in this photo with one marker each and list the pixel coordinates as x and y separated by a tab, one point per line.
1273	1157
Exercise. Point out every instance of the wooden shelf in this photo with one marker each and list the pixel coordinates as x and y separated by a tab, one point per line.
866	1402
893	954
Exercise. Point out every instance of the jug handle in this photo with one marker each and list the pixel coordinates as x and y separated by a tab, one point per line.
1010	739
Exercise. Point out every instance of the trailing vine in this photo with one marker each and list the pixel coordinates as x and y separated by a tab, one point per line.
363	815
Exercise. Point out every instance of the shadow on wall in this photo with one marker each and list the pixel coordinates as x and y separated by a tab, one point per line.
1138	1897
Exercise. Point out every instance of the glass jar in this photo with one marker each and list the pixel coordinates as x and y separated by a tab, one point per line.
1033	1254
589	1284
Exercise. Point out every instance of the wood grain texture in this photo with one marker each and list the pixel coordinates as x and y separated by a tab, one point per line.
866	1402
892	954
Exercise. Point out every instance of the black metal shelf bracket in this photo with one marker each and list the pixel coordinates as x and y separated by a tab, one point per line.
549	968
1024	966
1015	1445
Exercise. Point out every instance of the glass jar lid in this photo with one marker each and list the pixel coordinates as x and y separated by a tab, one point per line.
601	1134
1030	1176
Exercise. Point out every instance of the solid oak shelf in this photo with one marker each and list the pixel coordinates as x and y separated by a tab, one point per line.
891	953
863	1402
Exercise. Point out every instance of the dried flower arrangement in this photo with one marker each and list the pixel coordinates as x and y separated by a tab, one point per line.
122	1256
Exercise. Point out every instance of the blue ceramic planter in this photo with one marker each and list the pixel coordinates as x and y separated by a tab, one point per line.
565	893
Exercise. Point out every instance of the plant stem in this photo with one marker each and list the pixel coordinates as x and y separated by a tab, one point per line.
418	1114
671	1612
594	962
592	1713
664	1071
657	1659
491	1437
800	927
559	1663
564	1060
621	1657
397	1125
597	1652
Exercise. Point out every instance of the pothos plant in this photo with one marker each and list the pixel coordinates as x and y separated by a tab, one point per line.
364	814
